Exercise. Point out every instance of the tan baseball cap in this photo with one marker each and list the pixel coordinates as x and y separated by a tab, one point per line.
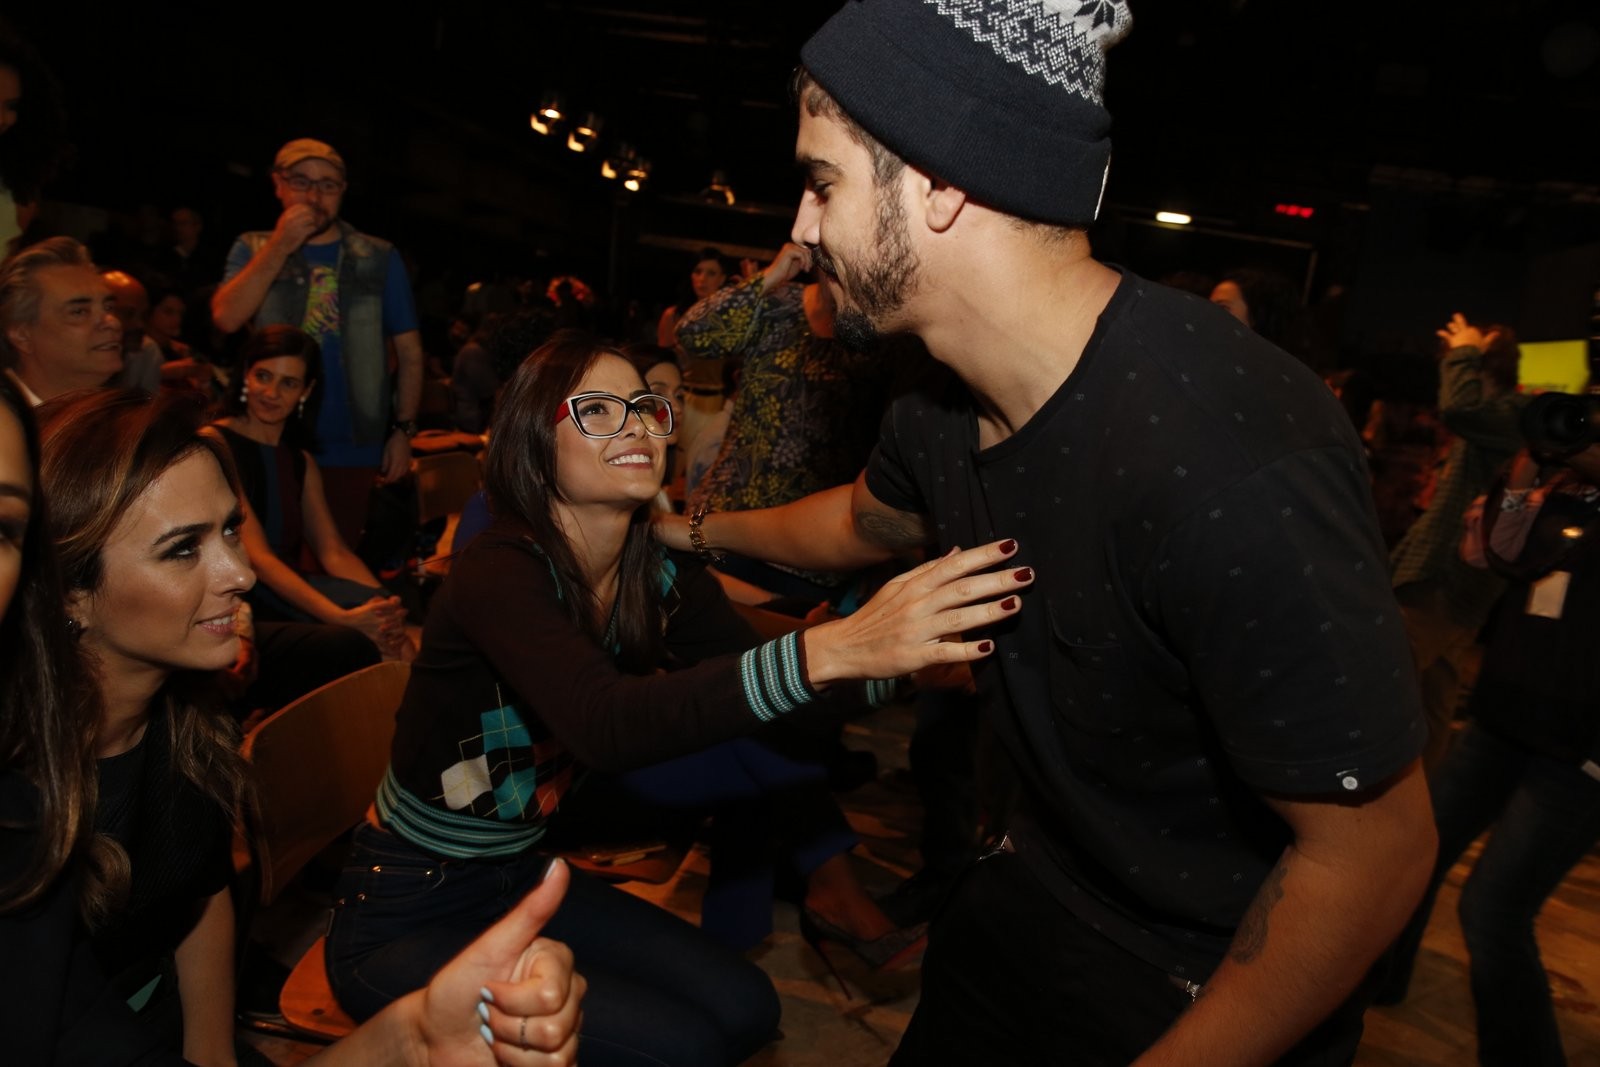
304	148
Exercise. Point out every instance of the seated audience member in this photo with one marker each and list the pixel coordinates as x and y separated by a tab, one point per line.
58	326
88	838
1525	768
710	272
164	323
473	383
189	260
124	472
141	356
540	659
286	511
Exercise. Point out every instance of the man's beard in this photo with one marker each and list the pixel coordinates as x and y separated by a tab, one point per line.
877	288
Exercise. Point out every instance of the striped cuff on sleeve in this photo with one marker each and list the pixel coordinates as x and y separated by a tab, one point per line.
774	677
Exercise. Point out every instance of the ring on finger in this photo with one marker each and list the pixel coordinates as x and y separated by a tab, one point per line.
522	1033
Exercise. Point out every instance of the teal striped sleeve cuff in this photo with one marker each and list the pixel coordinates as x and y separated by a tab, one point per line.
774	677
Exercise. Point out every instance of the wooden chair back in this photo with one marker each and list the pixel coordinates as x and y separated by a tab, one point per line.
316	765
445	482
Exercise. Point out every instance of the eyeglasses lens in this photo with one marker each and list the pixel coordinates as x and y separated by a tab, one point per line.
604	416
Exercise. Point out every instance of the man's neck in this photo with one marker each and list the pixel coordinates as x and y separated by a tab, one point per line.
1016	326
46	386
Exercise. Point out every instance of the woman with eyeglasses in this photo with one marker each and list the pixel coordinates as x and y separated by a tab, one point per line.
541	658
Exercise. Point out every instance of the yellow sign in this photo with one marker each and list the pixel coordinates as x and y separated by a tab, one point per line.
1553	366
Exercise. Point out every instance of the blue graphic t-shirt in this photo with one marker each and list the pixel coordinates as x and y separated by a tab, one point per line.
335	446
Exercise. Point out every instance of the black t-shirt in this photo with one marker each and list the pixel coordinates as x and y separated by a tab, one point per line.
178	845
1212	616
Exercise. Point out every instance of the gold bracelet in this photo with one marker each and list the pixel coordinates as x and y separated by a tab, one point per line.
697	537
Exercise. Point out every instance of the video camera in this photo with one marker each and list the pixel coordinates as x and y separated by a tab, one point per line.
1561	424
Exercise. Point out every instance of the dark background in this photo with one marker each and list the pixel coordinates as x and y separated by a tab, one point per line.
1448	149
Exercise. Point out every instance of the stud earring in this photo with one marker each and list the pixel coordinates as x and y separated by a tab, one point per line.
244	393
74	628
302	407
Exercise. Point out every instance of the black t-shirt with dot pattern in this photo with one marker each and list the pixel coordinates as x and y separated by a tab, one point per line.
1212	617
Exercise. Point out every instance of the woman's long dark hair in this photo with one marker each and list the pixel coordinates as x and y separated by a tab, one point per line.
102	449
520	480
271	342
48	708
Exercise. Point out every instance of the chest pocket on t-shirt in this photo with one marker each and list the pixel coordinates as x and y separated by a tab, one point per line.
1088	679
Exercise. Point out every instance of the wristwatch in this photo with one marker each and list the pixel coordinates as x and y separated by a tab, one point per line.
405	426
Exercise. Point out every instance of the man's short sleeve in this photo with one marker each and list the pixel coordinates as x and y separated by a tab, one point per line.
889	478
1275	594
399	310
238	256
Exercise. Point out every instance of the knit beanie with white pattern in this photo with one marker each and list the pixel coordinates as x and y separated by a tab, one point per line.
1000	98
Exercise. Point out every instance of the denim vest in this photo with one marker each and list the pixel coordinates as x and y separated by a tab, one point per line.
363	267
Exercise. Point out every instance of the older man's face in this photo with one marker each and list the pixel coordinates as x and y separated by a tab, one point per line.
77	338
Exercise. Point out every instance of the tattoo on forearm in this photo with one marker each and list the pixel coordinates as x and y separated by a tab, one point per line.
895	531
1251	936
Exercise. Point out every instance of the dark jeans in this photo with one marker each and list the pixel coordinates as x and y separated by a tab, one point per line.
1546	816
660	992
1013	978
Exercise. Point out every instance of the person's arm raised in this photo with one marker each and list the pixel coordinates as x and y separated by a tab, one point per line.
238	299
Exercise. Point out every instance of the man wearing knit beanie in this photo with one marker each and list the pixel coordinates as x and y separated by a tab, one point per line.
1205	691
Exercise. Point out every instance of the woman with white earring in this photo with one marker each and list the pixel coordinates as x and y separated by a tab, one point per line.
269	434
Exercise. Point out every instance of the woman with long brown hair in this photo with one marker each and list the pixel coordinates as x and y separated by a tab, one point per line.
86	881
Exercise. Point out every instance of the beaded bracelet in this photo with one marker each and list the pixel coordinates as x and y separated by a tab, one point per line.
697	537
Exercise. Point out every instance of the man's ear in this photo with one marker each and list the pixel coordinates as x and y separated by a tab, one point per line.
942	204
21	337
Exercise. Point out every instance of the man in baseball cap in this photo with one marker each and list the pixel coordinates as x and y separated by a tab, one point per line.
1206	692
349	291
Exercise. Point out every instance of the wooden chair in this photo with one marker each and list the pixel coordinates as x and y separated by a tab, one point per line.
316	764
445	482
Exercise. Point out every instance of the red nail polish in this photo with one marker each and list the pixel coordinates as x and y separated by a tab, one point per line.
985	647
1008	604
1023	575
1008	546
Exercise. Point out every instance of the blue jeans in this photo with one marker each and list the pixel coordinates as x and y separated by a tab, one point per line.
660	992
1546	816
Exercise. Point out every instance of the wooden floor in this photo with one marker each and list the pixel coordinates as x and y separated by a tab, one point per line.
823	1028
